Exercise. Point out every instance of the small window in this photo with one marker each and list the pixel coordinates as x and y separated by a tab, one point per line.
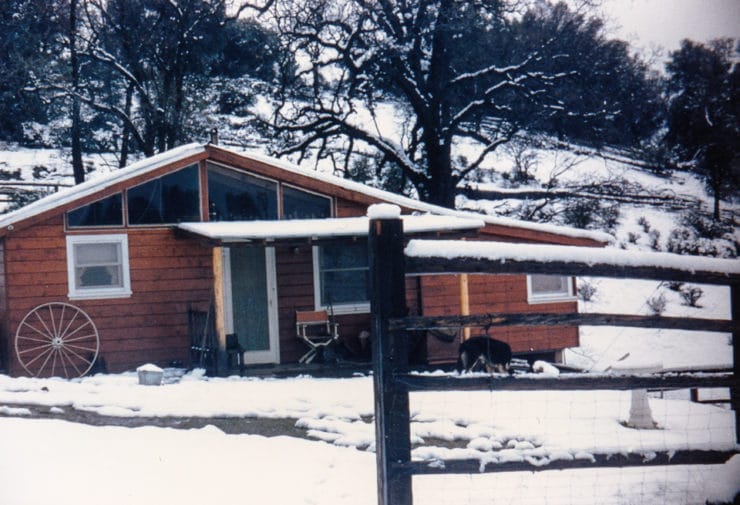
549	288
97	266
234	196
173	198
299	204
105	212
341	277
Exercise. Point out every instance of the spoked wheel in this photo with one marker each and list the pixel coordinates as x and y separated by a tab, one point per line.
57	340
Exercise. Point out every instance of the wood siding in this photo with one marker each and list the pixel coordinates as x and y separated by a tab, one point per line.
493	294
168	274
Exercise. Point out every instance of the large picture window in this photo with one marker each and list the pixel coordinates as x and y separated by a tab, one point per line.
341	277
173	198
234	196
97	266
549	288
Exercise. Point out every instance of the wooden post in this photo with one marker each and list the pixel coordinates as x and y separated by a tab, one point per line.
219	310
735	390
390	357
464	303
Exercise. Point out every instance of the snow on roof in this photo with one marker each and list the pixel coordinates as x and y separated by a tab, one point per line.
410	203
551	253
246	231
144	166
92	186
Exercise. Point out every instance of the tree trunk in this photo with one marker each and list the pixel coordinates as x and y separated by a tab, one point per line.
77	168
126	135
440	182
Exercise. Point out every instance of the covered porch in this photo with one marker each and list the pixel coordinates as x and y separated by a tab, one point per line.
265	272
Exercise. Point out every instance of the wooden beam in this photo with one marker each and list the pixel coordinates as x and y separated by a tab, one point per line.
443	265
464	303
219	310
565	382
616	460
418	323
735	390
390	357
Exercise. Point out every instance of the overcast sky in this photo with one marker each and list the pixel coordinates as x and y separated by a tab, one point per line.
646	23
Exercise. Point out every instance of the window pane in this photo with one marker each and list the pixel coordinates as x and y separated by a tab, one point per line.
299	204
549	284
99	277
97	254
344	287
233	196
173	198
106	212
344	273
334	256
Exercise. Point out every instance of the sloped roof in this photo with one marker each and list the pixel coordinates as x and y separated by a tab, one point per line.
104	181
92	186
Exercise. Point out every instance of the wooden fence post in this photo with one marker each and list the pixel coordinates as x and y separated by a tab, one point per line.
390	357
735	390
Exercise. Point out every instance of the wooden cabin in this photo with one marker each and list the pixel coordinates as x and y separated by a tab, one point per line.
118	266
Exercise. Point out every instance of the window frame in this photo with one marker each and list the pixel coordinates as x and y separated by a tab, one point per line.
339	309
553	296
80	293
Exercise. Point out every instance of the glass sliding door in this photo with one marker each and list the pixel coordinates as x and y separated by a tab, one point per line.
251	301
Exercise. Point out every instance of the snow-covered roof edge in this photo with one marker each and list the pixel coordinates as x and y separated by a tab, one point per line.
320	228
410	203
94	185
498	251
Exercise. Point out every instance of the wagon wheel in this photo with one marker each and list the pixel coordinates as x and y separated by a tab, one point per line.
57	339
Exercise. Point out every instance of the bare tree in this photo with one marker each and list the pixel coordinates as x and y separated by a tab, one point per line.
447	73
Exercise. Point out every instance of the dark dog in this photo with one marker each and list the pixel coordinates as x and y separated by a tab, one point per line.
484	353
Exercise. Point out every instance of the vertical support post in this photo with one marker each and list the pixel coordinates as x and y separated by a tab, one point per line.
464	303
390	357
735	390
219	310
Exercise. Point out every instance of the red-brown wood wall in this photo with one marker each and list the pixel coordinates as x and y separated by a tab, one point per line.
167	275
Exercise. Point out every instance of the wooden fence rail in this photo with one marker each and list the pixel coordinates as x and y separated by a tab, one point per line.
390	262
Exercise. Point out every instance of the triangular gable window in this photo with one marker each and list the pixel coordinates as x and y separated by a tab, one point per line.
173	198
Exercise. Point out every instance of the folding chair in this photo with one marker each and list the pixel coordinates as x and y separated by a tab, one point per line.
317	329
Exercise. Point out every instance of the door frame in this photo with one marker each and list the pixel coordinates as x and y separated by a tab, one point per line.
271	355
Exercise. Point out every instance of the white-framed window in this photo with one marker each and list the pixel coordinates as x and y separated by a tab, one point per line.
341	277
549	288
97	266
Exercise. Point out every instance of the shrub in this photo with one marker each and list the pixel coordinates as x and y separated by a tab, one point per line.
586	291
654	237
691	295
642	221
657	304
590	214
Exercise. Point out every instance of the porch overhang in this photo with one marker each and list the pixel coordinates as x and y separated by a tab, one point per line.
315	230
